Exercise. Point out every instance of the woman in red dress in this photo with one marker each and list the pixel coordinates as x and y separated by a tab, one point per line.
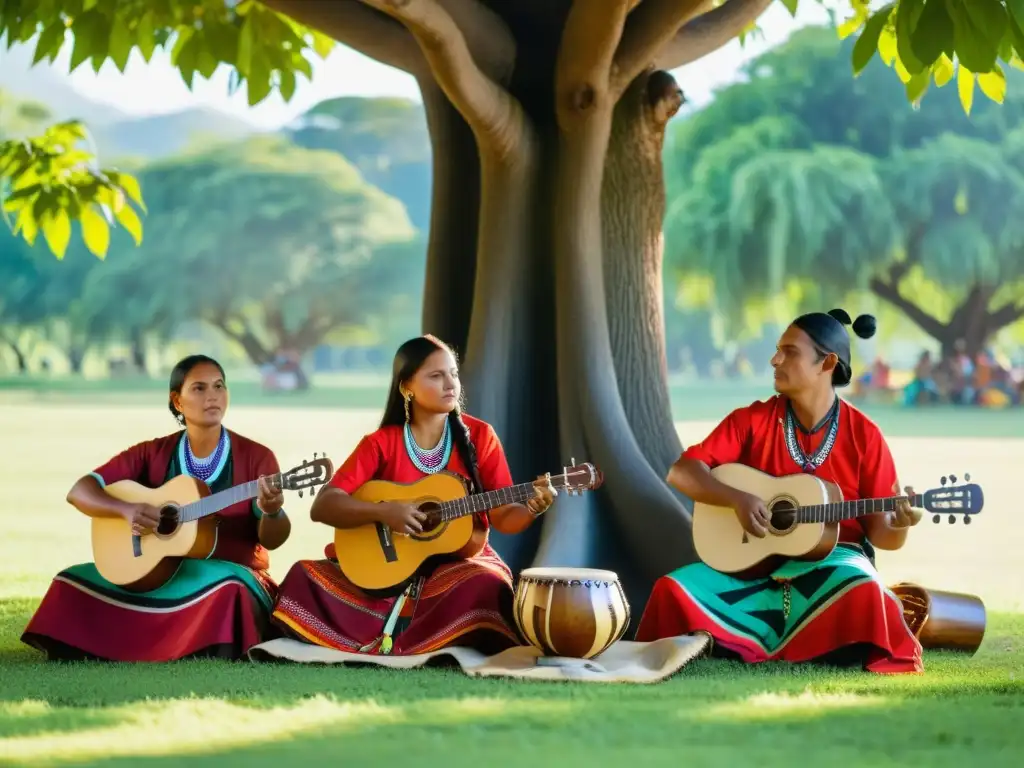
837	609
216	607
466	602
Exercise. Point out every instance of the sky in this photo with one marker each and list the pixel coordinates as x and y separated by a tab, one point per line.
156	87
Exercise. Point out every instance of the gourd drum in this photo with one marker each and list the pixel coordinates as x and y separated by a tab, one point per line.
571	612
949	621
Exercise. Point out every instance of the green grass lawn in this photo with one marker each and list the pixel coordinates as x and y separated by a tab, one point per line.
711	714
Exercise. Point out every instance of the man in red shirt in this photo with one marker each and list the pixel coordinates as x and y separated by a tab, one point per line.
836	609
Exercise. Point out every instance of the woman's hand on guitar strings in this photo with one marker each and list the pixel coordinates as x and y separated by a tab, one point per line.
144	518
544	496
270	500
403	519
904	516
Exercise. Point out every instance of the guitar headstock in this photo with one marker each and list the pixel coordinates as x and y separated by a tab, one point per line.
308	474
577	478
954	500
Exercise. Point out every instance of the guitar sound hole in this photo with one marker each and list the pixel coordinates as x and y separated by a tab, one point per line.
433	517
783	515
169	521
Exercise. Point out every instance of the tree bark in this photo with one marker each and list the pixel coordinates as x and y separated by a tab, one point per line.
454	217
21	360
632	212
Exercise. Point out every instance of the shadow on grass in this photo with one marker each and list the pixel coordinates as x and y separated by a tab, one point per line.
255	714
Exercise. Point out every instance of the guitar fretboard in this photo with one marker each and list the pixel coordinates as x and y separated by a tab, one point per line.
481	502
214	503
847	510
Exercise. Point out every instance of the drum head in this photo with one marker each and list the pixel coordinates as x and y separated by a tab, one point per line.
556	573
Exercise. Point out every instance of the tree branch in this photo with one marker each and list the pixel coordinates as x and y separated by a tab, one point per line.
584	67
495	116
1008	314
649	28
891	293
709	32
363	29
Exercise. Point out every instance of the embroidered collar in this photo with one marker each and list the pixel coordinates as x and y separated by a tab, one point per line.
801	459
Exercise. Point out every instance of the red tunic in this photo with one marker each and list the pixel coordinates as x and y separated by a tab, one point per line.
860	462
381	455
238	533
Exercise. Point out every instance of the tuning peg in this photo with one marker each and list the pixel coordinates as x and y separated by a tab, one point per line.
967	477
952	478
952	519
943	480
935	519
967	519
300	493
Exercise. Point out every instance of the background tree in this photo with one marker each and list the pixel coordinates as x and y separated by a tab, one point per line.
523	141
892	200
273	245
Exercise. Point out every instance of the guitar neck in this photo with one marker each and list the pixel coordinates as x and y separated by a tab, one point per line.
211	505
481	502
847	510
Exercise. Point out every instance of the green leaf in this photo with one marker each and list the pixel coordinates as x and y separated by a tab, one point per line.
130	185
56	228
943	70
145	35
287	84
965	87
933	33
51	39
244	61
988	17
908	12
993	84
323	45
972	47
206	64
120	43
128	219
95	231
257	84
867	42
791	6
917	85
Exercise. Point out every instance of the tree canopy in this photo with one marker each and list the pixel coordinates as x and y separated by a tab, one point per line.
896	197
51	180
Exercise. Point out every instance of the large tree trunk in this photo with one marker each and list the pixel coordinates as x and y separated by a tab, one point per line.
632	212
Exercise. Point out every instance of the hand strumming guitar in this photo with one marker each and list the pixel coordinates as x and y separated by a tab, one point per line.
544	496
402	518
752	513
143	518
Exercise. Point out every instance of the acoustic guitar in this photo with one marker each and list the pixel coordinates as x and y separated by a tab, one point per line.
187	527
375	558
805	515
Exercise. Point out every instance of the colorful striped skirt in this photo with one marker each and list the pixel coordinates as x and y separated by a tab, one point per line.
465	602
836	610
210	608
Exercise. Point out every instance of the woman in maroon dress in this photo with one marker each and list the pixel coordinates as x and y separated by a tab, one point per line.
466	602
219	606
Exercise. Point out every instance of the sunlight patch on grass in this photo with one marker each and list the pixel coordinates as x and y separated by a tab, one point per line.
198	726
187	726
769	706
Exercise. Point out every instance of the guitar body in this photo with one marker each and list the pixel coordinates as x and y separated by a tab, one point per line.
722	544
141	564
376	559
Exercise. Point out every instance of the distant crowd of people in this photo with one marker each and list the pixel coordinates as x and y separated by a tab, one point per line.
956	378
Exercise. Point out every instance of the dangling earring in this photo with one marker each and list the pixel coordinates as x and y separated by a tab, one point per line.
408	399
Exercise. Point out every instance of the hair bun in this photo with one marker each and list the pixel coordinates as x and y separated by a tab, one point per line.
865	326
841	315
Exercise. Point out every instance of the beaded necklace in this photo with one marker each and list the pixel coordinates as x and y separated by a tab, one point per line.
429	461
802	460
203	469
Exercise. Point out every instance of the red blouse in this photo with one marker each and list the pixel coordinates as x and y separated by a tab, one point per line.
860	462
238	533
381	455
